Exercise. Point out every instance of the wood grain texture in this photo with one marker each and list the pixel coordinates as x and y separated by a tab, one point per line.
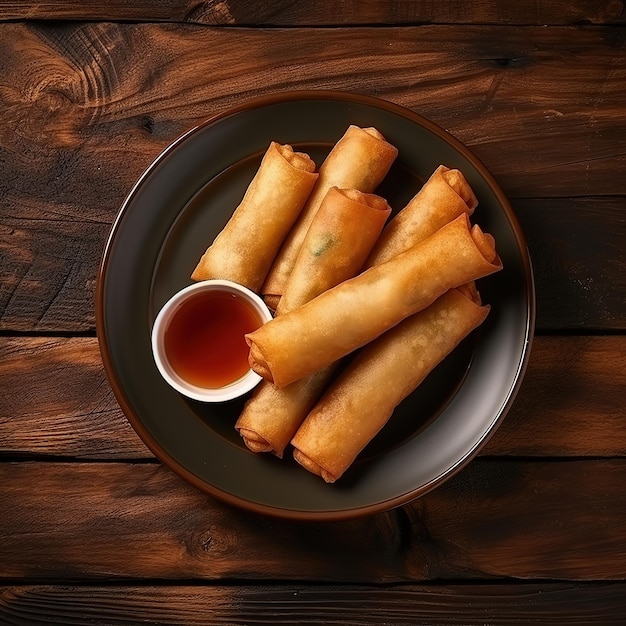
93	104
49	264
494	519
571	403
55	401
94	529
449	605
325	12
579	261
554	109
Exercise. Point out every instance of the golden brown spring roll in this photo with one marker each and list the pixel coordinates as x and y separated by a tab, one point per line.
341	236
355	408
360	309
359	160
271	416
246	247
442	198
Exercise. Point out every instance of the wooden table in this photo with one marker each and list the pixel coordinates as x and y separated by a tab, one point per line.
93	529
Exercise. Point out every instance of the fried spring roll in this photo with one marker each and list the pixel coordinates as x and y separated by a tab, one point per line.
359	160
442	198
341	236
246	247
353	410
360	309
271	416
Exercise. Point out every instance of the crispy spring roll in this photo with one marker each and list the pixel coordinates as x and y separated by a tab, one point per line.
271	416
359	160
354	410
341	236
442	198
246	247
360	309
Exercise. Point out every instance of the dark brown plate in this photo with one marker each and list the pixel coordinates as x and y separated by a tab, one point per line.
173	213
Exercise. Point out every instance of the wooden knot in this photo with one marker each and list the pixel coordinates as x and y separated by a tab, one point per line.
215	542
47	107
214	12
69	75
614	9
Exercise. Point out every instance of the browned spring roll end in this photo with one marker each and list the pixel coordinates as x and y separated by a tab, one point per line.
486	244
256	362
299	160
312	467
254	441
470	291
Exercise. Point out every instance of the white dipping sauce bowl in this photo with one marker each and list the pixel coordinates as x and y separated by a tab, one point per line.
230	391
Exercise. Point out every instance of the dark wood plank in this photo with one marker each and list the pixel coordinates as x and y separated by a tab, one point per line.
49	264
326	12
55	401
48	270
550	99
571	402
494	519
77	131
464	604
577	251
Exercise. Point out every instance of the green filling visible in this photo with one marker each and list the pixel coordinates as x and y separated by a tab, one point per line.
323	245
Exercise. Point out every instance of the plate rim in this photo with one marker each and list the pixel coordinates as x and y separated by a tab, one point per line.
175	465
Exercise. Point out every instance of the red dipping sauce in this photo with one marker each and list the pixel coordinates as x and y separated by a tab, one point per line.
204	341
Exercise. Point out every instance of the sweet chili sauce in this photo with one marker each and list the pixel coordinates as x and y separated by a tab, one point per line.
204	341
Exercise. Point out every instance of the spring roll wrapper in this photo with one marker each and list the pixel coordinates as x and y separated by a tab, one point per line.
337	244
339	240
360	309
363	398
272	415
247	245
442	198
359	160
